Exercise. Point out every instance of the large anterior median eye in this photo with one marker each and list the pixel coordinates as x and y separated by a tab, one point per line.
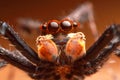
66	25
47	49
53	26
75	47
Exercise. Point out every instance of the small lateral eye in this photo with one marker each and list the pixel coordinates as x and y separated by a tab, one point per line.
53	27
75	24
44	26
66	25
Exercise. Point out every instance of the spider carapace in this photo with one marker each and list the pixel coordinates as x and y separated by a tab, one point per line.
60	44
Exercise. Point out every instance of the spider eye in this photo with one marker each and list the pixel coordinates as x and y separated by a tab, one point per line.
75	24
66	25
44	27
53	26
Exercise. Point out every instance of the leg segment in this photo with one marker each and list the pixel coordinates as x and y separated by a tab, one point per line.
9	33
85	13
3	63
18	60
102	49
99	52
117	51
43	71
110	40
29	25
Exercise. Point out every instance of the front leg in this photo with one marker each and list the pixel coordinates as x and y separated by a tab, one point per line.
83	14
7	31
117	51
99	52
18	60
105	46
109	40
3	63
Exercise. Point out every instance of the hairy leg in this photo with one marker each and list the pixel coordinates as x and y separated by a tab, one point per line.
3	63
99	52
7	31
18	60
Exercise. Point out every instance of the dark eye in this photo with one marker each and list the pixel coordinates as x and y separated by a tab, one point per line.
53	27
66	25
75	24
44	27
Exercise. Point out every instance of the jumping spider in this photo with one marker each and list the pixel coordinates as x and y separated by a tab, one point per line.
61	51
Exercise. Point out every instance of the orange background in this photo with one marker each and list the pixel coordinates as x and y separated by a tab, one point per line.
106	12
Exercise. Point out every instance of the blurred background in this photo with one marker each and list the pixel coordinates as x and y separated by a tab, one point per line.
106	12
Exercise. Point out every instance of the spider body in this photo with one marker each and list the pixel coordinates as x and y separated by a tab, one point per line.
64	59
61	50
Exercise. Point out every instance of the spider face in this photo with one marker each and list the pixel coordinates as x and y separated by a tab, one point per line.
51	51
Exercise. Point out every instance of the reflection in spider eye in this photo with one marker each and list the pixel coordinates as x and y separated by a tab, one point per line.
66	25
53	26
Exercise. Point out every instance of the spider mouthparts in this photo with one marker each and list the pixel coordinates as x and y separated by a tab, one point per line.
75	47
47	50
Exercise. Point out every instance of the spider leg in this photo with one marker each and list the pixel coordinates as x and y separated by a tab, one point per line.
85	13
7	31
18	60
46	76
117	51
43	71
3	63
29	25
28	57
99	52
109	41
